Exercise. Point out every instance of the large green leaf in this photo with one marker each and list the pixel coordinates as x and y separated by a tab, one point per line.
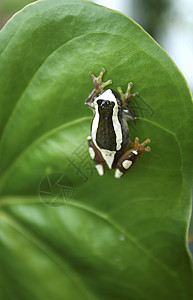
115	239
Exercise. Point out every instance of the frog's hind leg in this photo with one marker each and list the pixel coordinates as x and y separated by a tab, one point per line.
96	156
124	163
130	156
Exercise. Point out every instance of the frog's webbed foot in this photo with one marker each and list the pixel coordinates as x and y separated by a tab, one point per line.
130	156
128	113
126	98
99	86
97	81
139	148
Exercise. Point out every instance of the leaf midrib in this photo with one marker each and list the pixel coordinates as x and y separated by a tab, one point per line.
43	137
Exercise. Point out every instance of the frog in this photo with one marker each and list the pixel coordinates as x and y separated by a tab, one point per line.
109	139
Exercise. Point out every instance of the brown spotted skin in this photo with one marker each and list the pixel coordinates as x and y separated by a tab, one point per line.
98	159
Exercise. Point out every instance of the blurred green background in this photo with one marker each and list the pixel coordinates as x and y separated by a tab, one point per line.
9	7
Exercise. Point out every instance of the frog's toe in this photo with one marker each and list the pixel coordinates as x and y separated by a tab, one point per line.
100	169
118	173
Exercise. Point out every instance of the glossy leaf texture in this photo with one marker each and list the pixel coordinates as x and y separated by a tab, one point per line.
90	237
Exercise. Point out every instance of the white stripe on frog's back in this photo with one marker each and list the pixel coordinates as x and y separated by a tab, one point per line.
95	123
117	127
107	95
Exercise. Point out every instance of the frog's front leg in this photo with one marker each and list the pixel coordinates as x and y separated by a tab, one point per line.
128	113
96	156
98	87
129	157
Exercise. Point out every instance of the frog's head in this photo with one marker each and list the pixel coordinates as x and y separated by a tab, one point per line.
108	103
